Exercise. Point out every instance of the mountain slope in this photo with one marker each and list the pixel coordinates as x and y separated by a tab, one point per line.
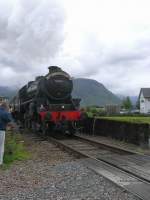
7	92
93	93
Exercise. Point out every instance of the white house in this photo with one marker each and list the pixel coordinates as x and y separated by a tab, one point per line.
144	99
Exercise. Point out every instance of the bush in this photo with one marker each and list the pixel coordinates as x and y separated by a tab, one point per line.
95	111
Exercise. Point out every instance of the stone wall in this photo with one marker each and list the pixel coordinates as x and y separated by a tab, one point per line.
125	131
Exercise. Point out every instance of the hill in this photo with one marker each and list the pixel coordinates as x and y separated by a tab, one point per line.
7	92
134	99
93	93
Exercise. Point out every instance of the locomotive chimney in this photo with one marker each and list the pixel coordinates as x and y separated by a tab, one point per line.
53	69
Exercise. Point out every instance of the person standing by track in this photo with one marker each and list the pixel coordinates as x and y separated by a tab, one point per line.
5	119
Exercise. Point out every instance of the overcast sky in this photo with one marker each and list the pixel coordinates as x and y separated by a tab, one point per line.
107	40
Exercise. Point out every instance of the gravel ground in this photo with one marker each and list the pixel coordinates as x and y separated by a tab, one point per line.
53	174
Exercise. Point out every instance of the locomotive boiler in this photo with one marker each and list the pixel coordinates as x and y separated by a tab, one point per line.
46	104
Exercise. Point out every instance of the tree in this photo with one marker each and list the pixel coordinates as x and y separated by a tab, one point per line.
138	104
127	104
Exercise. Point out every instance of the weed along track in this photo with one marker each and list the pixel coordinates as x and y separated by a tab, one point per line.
128	170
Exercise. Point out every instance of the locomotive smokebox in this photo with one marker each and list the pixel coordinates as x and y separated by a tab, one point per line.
57	85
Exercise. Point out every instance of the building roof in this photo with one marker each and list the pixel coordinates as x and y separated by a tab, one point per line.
146	92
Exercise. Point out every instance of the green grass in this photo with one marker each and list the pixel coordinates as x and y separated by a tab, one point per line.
14	149
129	119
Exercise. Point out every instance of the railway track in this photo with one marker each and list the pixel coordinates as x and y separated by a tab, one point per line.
126	169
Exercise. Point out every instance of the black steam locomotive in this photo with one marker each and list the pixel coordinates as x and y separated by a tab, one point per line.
46	104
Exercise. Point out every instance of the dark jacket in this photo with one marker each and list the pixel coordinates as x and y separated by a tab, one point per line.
5	118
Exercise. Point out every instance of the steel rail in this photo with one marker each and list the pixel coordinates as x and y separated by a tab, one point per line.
106	146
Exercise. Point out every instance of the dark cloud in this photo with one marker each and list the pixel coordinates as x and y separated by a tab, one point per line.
107	43
123	69
125	57
31	33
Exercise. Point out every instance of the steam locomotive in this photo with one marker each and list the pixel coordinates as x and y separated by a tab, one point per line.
46	104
